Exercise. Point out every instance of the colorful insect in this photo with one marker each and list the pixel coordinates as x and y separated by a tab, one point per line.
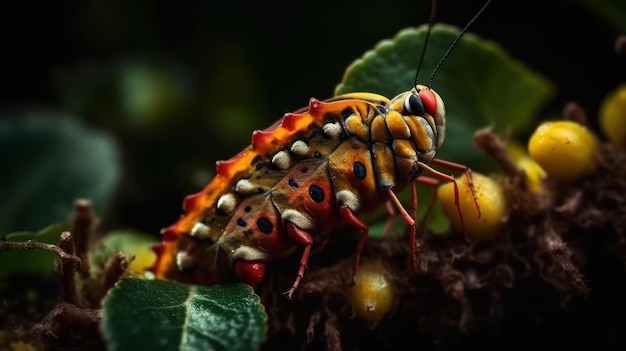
315	168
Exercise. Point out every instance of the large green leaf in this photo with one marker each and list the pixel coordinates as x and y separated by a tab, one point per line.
479	82
160	315
49	161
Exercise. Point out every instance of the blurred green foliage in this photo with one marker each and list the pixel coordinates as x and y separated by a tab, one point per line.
51	160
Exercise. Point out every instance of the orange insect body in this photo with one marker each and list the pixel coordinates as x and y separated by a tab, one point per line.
301	177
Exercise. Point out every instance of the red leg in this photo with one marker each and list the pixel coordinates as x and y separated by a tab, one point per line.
459	168
352	219
414	204
302	237
424	180
449	178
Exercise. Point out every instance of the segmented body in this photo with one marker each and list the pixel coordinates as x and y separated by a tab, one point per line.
298	179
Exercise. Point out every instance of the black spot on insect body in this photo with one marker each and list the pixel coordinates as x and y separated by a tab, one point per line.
304	169
347	112
241	222
265	225
317	154
381	109
316	193
247	209
330	117
358	169
258	166
293	183
260	190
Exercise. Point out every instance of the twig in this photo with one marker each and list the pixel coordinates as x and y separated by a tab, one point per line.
572	111
66	271
114	268
489	142
84	221
36	245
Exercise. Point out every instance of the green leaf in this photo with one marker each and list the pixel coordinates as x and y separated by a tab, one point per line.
52	161
161	315
479	82
37	262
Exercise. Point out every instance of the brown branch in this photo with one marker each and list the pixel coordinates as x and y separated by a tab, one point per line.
36	245
489	142
66	272
572	111
83	221
114	269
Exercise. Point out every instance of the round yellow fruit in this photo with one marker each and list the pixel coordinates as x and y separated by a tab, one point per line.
374	293
492	204
534	173
564	149
613	115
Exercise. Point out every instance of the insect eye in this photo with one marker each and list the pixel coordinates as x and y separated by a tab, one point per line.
413	105
429	101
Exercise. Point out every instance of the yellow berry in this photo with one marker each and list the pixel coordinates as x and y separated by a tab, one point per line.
374	293
490	199
534	173
613	115
564	149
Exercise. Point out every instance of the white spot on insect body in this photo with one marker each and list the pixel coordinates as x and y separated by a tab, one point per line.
298	218
201	231
332	129
227	203
300	148
248	253
245	187
183	260
349	199
282	160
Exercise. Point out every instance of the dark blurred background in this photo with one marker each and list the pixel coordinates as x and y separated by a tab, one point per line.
179	85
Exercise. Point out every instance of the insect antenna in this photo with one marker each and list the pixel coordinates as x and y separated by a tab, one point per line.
445	55
431	21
